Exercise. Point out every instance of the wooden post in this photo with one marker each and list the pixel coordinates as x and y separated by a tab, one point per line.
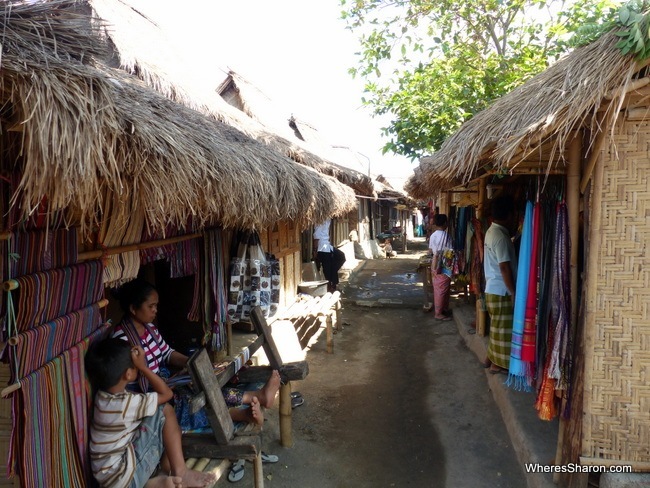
286	437
258	472
573	209
329	333
481	314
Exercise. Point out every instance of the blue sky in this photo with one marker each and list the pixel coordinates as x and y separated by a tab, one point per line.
296	51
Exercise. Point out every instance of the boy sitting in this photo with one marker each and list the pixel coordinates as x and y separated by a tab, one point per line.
130	430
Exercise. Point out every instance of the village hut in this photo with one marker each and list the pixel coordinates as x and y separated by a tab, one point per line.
583	123
100	175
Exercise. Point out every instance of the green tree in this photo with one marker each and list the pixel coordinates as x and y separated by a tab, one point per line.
448	59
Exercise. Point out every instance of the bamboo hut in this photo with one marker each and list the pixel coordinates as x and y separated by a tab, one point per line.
585	119
100	174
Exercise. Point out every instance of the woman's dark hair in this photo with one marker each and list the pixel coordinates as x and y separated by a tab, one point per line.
106	361
134	293
440	220
502	207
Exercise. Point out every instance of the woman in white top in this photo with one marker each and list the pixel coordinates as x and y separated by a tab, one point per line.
330	258
441	246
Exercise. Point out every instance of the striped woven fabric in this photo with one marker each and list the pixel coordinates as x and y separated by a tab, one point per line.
216	306
50	432
40	344
47	295
41	250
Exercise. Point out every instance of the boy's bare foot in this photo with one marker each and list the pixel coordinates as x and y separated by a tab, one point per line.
197	479
269	390
255	412
165	482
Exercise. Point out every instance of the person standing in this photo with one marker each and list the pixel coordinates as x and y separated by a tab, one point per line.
441	266
329	257
500	266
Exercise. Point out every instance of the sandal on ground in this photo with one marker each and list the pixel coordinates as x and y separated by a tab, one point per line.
296	402
443	319
236	471
269	458
296	394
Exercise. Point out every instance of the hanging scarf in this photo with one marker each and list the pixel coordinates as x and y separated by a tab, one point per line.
561	296
517	373
545	404
530	319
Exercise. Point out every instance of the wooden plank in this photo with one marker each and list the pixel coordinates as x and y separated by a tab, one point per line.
295	371
271	349
202	373
245	447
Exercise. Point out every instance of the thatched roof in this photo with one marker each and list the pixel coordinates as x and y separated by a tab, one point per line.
301	141
87	127
549	107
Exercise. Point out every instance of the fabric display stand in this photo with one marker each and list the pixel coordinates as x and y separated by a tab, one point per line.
254	279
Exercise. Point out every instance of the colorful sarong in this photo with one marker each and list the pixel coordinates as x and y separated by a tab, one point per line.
500	339
518	374
441	289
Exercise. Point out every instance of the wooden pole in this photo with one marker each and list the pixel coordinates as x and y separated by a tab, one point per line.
286	437
98	253
573	210
481	314
591	298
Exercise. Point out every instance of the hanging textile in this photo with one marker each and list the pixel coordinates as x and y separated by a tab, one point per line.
122	225
477	272
546	404
561	300
51	294
215	243
184	260
546	269
41	250
530	319
517	373
252	279
37	346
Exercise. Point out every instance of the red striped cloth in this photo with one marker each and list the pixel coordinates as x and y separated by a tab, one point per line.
47	295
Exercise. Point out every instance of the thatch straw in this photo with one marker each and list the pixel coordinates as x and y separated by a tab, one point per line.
551	105
144	52
87	128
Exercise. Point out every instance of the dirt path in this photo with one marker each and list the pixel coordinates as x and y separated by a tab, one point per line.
401	402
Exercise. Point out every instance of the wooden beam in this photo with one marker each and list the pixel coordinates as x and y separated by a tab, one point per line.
98	253
632	86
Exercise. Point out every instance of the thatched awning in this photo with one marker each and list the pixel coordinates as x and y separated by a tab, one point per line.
88	127
550	106
263	116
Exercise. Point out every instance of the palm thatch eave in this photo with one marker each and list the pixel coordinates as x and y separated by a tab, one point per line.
549	107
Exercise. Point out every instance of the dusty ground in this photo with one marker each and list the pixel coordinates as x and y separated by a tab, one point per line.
400	402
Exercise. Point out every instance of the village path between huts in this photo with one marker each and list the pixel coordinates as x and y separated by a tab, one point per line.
400	402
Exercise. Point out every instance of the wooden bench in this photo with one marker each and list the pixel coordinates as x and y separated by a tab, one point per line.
225	442
308	314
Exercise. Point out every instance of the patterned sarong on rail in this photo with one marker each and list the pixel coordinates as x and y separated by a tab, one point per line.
500	339
517	371
38	345
47	295
41	250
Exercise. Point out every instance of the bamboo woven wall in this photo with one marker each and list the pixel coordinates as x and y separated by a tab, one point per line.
616	425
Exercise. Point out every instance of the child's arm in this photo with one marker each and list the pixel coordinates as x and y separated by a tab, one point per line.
157	383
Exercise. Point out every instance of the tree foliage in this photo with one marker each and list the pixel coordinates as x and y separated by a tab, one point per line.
448	59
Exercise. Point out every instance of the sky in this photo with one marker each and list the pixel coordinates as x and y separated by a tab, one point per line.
295	51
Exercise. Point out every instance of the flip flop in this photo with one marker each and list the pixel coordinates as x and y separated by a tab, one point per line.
269	458
443	319
296	402
236	471
296	394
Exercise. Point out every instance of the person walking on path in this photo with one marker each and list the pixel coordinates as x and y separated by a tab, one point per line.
441	267
329	257
500	268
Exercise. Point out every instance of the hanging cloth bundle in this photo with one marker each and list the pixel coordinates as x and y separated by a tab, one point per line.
530	319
